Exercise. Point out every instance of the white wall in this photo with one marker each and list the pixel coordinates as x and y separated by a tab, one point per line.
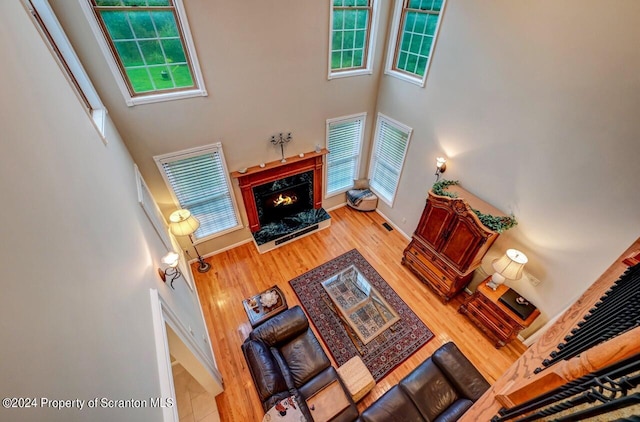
265	68
535	105
78	254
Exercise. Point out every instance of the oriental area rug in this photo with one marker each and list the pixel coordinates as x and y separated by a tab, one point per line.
391	330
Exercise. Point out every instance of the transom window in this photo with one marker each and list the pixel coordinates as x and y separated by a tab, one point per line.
414	34
390	145
150	46
199	181
344	140
351	36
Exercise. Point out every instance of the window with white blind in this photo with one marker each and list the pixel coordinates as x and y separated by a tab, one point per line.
344	140
199	181
390	146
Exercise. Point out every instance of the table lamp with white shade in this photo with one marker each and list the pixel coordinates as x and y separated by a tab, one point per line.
508	266
182	223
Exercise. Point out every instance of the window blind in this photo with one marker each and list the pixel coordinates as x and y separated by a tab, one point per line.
344	137
390	147
200	184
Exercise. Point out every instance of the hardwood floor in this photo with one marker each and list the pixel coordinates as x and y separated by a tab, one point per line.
242	272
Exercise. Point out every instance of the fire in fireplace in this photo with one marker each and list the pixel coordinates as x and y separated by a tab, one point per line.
284	197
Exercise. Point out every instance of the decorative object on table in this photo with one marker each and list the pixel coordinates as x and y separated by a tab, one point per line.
390	348
281	140
497	313
171	271
182	223
257	312
286	410
318	148
451	239
508	266
441	166
268	298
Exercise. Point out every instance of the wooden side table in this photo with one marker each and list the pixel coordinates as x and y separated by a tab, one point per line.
357	378
500	323
258	314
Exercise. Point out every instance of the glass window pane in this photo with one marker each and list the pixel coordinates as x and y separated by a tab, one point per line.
158	2
432	23
415	45
349	38
358	58
337	2
139	79
336	42
174	51
360	39
152	52
338	18
134	2
426	46
129	53
409	21
421	66
336	63
347	59
349	2
108	2
363	3
350	19
117	25
420	22
165	24
182	76
362	19
142	24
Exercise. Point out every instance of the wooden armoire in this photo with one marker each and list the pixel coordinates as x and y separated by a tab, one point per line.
450	241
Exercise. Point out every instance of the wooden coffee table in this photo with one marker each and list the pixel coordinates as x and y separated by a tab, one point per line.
258	314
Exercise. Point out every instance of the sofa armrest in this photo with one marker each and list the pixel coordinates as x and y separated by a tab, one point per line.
460	371
282	327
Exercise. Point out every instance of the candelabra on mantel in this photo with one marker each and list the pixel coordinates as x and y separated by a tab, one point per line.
281	140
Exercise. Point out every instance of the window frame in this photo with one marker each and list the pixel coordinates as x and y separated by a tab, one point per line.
108	50
395	36
362	117
195	152
51	31
372	26
376	139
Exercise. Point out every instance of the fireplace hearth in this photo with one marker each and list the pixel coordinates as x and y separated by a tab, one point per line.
283	201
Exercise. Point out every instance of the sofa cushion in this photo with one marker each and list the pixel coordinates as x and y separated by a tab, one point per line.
429	390
281	327
462	374
394	405
304	357
265	371
455	411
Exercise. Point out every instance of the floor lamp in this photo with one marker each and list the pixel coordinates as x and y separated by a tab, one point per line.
182	223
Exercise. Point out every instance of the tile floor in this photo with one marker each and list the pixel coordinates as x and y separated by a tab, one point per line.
195	404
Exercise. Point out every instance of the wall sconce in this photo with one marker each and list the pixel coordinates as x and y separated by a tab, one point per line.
510	265
441	166
171	272
182	223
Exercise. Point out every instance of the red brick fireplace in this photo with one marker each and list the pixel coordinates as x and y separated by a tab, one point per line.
256	179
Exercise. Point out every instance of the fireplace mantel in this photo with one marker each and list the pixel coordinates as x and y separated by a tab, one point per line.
275	170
